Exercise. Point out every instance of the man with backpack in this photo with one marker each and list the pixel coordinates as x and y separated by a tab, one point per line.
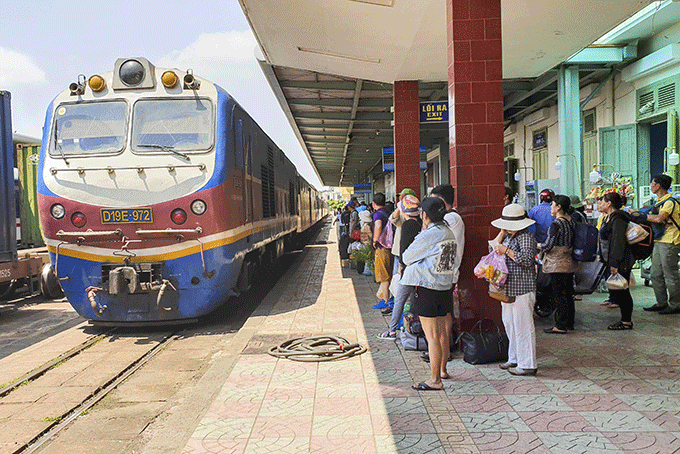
664	274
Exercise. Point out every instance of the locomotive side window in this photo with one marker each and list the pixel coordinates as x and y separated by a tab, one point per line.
89	128
174	124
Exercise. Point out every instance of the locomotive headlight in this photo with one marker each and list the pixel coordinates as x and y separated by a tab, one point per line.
97	83
169	79
131	72
78	219
178	216
198	207
57	211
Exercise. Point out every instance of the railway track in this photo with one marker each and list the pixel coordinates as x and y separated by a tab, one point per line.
111	357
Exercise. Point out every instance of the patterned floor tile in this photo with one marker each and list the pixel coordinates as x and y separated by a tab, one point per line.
334	426
242	393
396	405
537	402
488	404
416	443
627	386
222	410
257	445
520	387
341	406
375	390
621	421
508	442
645	443
465	374
402	424
198	446
288	427
447	422
387	376
656	373
291	391
606	373
349	390
667	385
556	421
645	402
495	373
627	360
335	445
464	388
574	442
587	361
230	429
560	373
595	402
667	420
494	422
283	406
573	387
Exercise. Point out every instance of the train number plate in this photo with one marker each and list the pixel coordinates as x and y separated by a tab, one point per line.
127	215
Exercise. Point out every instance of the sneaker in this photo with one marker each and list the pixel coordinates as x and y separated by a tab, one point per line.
386	311
522	372
387	335
381	305
506	366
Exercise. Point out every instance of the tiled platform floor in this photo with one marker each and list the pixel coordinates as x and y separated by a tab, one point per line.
597	391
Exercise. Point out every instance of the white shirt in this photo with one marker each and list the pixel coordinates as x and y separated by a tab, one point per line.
458	228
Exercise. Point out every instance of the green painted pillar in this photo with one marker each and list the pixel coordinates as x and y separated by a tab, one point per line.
569	116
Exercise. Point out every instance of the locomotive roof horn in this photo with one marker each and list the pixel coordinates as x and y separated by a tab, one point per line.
78	88
190	82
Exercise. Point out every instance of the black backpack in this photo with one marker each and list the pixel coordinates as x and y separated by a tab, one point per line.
585	242
643	249
345	218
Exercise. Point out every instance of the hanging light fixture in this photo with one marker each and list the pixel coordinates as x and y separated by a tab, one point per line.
558	165
518	176
673	158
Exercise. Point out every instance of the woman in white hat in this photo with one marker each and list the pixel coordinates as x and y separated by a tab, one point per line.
519	246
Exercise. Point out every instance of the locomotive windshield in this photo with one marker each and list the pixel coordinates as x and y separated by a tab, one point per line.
172	124
90	128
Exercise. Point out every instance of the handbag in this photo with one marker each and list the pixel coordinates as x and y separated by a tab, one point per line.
498	293
558	260
483	347
617	282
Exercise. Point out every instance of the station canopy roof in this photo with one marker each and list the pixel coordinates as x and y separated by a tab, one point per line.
332	63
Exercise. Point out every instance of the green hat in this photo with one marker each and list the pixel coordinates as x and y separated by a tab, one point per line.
575	201
408	191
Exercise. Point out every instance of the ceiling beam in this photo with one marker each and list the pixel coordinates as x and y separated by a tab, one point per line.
355	106
538	84
332	85
346	116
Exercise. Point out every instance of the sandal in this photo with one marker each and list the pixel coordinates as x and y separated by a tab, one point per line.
605	303
620	326
391	335
612	306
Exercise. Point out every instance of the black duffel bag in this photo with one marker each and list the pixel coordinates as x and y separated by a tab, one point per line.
481	346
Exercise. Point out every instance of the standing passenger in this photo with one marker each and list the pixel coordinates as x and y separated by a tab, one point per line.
558	263
615	252
429	264
383	255
665	278
541	214
519	247
447	193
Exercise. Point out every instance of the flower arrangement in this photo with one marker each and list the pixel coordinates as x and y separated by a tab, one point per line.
622	185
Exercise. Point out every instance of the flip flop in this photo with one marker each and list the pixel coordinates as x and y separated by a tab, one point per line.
425	387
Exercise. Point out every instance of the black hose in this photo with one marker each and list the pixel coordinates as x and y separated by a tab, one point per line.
317	349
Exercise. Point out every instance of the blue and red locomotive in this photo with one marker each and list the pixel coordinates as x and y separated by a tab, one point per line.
159	194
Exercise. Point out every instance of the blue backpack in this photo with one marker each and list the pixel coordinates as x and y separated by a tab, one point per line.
585	242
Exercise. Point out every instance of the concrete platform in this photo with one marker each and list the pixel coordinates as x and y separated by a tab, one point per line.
596	390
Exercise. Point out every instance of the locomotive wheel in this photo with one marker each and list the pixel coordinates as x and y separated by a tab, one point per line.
49	284
7	289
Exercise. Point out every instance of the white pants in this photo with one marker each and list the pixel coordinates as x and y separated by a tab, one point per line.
518	319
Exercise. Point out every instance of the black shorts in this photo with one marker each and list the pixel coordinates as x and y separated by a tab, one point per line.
432	303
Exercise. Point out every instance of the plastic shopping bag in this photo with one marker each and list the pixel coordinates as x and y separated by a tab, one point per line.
617	282
493	269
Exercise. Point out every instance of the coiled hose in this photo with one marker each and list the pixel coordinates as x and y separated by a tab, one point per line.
317	349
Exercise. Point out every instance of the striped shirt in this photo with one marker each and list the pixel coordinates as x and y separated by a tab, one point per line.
560	233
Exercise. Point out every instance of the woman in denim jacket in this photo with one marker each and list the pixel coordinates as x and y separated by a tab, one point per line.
429	269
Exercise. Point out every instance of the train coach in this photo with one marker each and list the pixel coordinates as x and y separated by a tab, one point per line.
159	195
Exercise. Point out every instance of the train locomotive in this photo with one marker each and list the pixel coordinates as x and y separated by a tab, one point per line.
159	195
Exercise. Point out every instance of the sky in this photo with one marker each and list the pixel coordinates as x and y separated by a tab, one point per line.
45	45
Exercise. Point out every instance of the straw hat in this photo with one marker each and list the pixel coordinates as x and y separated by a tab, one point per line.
513	218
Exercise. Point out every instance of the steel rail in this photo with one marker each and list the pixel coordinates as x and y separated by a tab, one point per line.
32	375
97	395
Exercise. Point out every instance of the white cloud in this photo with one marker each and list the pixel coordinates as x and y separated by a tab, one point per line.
17	69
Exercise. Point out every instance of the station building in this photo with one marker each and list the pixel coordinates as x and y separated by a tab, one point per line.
538	94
